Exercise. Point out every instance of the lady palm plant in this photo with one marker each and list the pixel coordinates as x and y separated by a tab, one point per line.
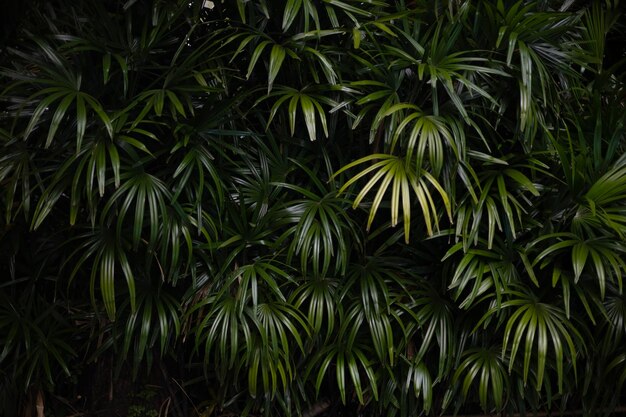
307	207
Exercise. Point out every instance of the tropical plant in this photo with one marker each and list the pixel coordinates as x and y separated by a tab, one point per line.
306	207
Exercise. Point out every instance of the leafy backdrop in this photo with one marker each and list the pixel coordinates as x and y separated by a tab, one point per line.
313	206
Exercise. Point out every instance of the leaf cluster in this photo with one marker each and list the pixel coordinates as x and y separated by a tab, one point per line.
337	206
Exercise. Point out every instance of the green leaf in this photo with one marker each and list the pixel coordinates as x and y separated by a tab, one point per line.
292	7
277	56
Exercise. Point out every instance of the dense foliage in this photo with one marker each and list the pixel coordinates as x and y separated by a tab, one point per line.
313	206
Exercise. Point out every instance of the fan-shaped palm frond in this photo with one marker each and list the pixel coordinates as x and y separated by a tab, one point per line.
401	175
485	369
539	325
